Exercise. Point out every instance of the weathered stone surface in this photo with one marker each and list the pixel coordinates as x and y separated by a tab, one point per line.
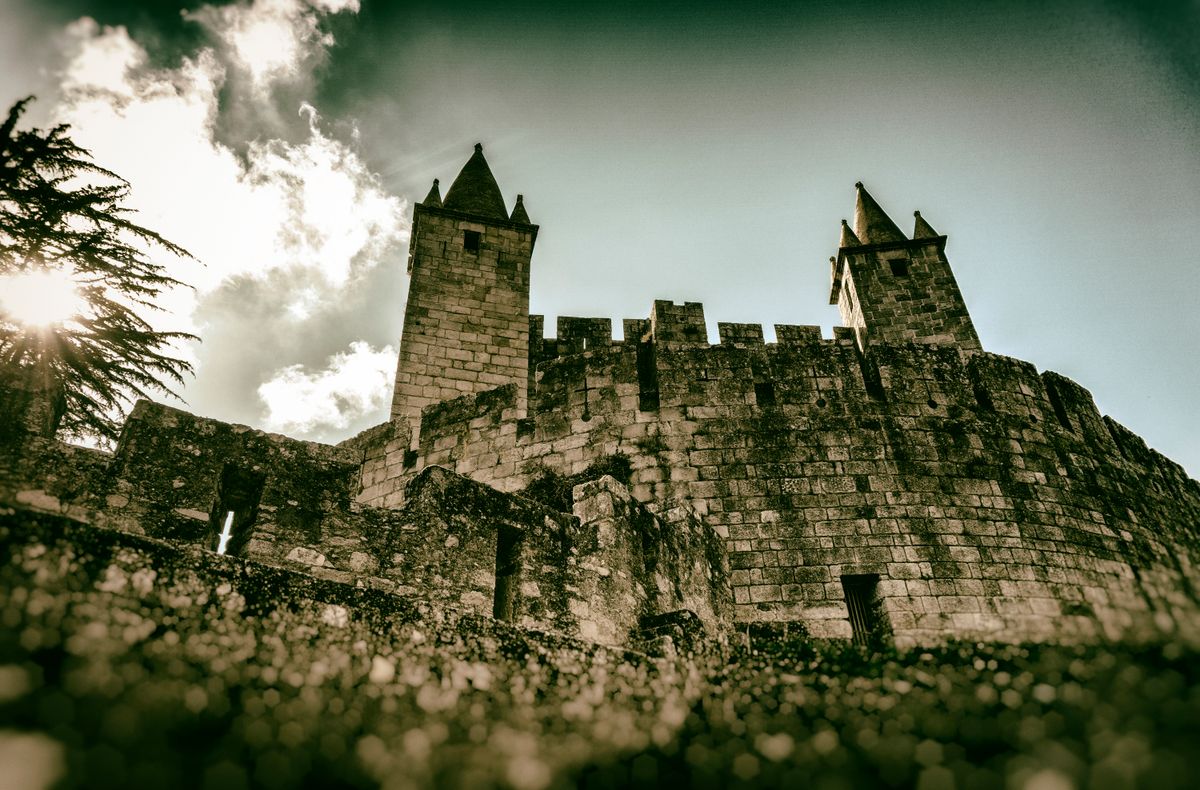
466	322
935	466
129	661
306	556
975	497
361	562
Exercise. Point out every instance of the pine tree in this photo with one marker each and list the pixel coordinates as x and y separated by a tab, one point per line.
62	213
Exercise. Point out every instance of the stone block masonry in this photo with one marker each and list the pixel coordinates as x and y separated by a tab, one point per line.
894	481
990	501
466	323
901	291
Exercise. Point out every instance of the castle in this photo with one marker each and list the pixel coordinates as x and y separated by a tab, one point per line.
894	481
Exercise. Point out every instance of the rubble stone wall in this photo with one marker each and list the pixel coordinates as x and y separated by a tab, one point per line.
598	573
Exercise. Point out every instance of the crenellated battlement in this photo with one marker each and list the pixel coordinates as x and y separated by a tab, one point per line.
574	335
671	322
942	473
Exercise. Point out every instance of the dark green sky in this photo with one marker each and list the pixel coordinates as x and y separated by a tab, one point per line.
707	152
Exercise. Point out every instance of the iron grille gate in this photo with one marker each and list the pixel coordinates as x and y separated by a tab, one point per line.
860	601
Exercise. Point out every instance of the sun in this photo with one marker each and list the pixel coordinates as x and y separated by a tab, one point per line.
40	298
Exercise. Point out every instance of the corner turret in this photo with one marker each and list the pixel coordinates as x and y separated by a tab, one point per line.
434	198
922	229
518	213
893	289
849	239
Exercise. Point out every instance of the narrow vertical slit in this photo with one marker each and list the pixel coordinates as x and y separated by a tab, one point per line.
226	534
930	402
871	378
235	509
648	527
816	380
982	396
1116	437
587	407
764	388
508	573
1060	409
647	371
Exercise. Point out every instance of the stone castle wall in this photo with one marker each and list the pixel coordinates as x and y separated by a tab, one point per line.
599	572
892	481
990	501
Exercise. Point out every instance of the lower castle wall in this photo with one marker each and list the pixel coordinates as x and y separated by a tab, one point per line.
990	501
152	662
456	542
166	479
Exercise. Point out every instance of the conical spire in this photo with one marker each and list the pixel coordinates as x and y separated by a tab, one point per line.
922	229
518	213
475	190
848	237
871	224
434	198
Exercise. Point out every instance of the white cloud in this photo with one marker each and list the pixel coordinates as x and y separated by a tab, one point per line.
304	218
102	63
352	385
271	39
312	206
334	6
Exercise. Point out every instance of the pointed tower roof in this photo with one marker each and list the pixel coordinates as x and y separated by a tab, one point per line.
518	213
475	191
922	229
848	237
871	224
434	198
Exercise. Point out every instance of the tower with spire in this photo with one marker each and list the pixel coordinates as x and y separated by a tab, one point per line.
466	322
893	289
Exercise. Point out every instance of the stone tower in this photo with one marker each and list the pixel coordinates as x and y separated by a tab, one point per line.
466	323
897	290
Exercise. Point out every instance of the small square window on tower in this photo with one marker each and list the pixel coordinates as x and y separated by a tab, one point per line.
899	267
764	393
471	240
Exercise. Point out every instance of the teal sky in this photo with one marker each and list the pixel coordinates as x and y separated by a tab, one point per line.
707	153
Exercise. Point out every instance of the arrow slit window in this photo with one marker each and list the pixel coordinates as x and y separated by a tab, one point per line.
235	509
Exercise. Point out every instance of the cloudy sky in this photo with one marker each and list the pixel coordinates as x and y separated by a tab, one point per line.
668	150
